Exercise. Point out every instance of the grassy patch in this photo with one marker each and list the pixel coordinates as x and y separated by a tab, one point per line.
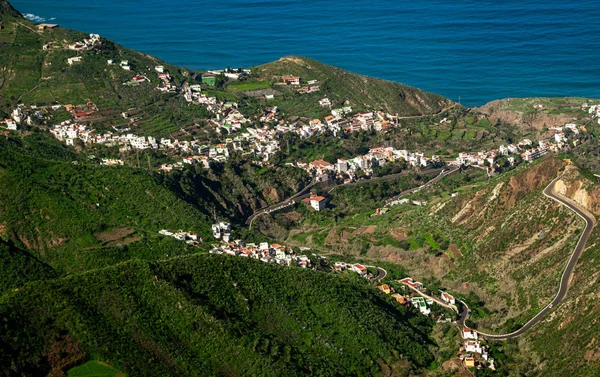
245	86
94	368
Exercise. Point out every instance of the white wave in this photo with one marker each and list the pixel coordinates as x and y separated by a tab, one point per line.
33	17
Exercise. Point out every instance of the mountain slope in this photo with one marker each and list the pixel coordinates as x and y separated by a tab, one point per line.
75	214
210	315
361	92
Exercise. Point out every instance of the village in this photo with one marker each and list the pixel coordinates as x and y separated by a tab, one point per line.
261	140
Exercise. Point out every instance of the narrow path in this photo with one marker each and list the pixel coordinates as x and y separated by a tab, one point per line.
566	276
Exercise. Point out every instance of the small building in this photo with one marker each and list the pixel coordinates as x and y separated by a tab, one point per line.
42	27
473	346
73	60
359	269
399	298
159	69
290	80
469	333
469	362
385	289
448	298
411	283
419	303
318	203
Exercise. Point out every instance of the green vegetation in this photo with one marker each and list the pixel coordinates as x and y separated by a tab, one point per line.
94	368
211	314
54	204
340	86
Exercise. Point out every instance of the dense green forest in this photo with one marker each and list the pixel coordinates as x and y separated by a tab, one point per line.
210	315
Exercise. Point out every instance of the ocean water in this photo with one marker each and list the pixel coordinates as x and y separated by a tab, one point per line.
475	51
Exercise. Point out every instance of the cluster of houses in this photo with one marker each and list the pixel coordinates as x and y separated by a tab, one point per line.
206	153
593	110
356	267
265	252
375	157
166	80
69	132
189	237
85	44
472	353
524	148
16	118
222	230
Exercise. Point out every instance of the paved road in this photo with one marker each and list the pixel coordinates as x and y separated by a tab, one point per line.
290	201
275	207
566	276
381	273
443	173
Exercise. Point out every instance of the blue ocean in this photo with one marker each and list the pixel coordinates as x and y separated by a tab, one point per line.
475	51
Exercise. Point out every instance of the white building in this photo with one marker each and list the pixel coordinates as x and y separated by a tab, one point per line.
473	346
449	299
469	334
318	202
359	269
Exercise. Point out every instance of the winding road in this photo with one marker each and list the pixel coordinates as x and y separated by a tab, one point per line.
291	200
566	276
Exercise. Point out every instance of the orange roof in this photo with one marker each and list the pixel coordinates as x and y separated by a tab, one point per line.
320	163
360	267
384	288
317	198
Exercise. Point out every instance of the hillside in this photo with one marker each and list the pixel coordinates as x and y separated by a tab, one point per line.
345	88
75	214
210	315
498	243
35	71
87	279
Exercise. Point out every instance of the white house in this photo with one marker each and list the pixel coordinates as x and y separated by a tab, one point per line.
73	60
359	269
419	303
159	69
469	334
318	202
449	299
473	346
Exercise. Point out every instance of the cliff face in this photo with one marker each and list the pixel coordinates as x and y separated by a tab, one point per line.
579	189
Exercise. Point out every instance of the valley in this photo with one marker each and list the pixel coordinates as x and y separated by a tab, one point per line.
286	219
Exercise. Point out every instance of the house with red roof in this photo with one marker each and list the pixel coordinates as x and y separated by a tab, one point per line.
318	202
448	298
359	269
